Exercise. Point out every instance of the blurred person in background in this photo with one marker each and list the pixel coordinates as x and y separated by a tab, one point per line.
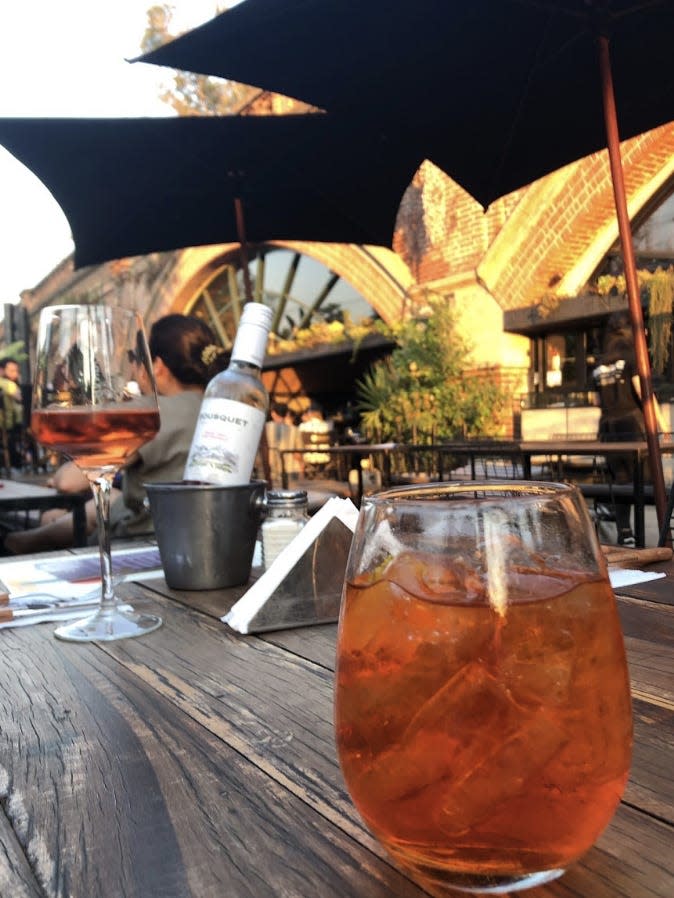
12	410
282	434
622	417
315	432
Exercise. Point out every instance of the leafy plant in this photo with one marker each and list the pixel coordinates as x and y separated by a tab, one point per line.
15	350
421	393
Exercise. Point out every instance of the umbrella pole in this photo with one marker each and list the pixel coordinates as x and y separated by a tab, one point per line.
631	281
243	248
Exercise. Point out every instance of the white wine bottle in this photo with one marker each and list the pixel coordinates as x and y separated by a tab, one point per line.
234	408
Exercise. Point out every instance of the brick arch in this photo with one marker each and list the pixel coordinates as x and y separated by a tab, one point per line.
378	274
607	234
564	224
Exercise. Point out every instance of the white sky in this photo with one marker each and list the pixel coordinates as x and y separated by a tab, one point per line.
67	58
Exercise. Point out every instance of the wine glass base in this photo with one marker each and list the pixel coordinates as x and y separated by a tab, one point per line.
107	625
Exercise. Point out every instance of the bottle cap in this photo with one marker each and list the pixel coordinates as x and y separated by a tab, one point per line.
250	343
256	313
286	498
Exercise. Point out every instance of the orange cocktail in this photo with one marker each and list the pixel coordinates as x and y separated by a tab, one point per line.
483	719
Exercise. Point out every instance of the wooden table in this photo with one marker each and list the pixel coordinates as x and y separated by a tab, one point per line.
18	496
196	763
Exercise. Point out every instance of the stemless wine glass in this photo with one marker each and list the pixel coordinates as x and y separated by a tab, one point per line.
86	405
483	713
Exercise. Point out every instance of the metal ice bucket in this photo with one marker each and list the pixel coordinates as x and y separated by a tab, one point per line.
206	534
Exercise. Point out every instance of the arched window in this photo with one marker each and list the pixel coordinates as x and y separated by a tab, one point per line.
299	289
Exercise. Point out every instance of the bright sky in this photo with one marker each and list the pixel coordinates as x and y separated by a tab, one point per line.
67	58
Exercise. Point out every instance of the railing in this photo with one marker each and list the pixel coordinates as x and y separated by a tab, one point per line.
409	463
558	398
502	459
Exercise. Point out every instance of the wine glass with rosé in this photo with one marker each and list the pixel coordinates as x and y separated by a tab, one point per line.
86	405
483	714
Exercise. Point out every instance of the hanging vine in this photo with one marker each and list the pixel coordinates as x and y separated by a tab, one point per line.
657	290
660	297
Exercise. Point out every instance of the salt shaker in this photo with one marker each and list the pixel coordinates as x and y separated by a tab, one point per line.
286	515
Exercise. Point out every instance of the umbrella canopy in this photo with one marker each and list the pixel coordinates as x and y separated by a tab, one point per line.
497	92
134	186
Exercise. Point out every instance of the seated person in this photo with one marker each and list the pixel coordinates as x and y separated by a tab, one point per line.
184	359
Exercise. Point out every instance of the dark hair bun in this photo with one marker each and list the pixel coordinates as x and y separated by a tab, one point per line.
181	341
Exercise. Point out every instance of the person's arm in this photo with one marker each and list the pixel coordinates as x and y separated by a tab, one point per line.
659	417
69	479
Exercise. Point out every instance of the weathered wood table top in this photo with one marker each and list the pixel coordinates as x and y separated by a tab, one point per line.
196	763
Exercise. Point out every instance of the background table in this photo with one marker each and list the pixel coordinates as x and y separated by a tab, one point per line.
18	496
507	459
196	763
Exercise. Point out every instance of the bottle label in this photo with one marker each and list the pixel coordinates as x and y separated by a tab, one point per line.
225	442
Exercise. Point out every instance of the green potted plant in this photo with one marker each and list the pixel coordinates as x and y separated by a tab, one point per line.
421	394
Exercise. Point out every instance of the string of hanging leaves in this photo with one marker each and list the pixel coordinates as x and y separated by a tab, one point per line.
657	292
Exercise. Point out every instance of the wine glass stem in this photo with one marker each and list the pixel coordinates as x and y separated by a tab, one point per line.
101	487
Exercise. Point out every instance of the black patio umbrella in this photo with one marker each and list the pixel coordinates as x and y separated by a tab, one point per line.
496	92
134	186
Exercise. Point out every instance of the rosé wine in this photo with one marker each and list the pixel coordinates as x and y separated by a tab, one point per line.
95	438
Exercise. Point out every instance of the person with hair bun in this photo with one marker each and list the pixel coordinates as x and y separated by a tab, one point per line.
184	358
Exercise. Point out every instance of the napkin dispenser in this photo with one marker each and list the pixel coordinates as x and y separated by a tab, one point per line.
304	584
